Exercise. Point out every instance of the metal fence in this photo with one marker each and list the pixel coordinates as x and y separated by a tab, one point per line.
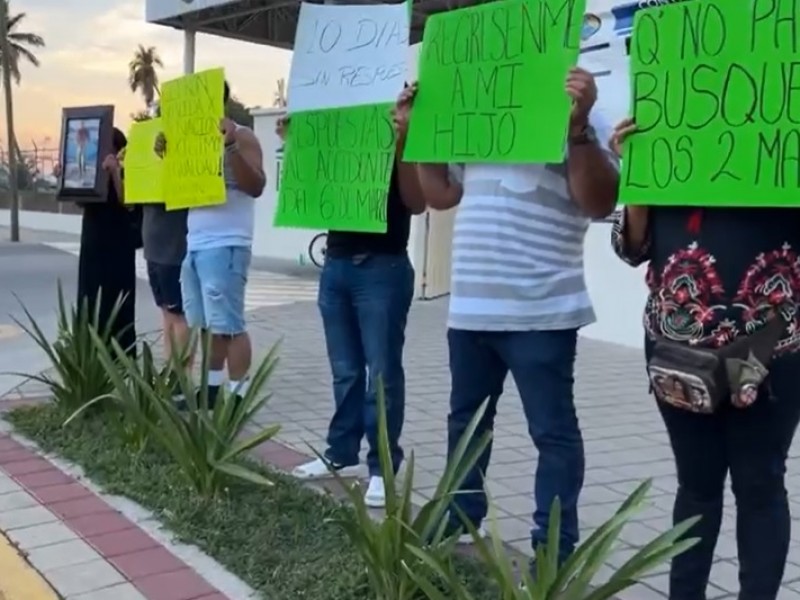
35	179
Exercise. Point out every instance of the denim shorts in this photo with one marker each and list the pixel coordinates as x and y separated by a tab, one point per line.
213	283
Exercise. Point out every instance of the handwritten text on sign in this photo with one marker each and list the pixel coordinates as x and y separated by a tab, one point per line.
491	82
191	110
345	55
336	169
716	97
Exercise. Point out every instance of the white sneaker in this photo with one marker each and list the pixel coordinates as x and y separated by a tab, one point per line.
317	469
466	539
376	493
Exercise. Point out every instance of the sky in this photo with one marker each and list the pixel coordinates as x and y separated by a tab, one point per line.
85	62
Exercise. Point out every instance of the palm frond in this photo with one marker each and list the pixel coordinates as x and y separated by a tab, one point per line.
29	39
20	43
22	52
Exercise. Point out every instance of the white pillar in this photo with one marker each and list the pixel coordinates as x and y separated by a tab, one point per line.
189	36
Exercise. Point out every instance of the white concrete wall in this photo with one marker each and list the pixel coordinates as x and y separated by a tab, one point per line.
618	291
43	221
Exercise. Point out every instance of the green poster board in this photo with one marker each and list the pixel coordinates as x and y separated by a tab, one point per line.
716	99
336	169
491	83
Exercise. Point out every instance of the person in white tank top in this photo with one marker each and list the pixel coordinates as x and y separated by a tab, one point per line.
214	272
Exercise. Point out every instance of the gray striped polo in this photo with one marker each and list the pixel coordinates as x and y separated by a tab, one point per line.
518	249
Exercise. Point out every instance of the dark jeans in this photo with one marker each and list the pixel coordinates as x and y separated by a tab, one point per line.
752	444
542	364
364	303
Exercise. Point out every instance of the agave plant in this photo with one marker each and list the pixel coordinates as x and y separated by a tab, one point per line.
137	407
392	546
208	445
79	375
574	579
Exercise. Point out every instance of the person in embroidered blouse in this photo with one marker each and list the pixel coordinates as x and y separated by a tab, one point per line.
714	275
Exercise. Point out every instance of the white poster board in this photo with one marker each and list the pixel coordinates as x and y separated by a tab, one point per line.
347	55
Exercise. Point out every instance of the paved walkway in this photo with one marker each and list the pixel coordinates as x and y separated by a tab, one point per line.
625	439
58	536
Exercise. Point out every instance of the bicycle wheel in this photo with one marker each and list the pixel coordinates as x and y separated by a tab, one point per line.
316	249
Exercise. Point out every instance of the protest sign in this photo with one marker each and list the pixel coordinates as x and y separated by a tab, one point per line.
716	99
348	68
491	83
143	181
336	169
346	55
191	110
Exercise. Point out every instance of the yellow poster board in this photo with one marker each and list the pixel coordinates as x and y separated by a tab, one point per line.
144	171
191	110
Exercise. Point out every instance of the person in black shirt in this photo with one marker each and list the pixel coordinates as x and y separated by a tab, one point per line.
107	261
718	276
366	288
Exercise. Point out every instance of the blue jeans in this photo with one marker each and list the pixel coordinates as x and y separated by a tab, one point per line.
364	303
542	364
213	285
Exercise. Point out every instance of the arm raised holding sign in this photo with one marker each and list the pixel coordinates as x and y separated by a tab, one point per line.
410	188
435	186
246	158
112	166
630	232
593	180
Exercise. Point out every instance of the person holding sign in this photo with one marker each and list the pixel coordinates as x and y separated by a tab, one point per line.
107	261
218	251
518	298
365	293
722	319
163	235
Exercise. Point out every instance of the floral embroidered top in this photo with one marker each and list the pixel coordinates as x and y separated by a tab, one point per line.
715	274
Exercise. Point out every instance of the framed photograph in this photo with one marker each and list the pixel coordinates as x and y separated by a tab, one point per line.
86	139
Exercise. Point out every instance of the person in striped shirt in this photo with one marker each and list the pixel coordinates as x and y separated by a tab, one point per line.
518	298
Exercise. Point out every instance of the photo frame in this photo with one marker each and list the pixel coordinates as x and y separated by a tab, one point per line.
86	139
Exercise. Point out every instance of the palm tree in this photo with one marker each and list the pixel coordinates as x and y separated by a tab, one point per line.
14	46
279	97
20	44
142	75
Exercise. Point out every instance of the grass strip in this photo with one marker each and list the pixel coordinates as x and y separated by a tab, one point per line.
276	539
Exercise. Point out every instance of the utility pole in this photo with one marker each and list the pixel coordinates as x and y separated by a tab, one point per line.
5	58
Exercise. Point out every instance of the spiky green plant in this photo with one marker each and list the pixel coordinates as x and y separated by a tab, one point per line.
77	374
574	579
208	445
390	545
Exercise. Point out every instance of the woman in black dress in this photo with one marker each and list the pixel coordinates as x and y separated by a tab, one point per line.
107	264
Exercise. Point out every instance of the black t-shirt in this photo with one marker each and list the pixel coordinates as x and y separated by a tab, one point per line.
343	244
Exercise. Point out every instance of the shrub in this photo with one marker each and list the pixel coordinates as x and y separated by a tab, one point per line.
207	445
573	580
80	375
398	543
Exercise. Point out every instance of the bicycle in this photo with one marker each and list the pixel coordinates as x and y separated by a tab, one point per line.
317	248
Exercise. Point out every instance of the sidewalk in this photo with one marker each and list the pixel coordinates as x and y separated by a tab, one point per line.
58	539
